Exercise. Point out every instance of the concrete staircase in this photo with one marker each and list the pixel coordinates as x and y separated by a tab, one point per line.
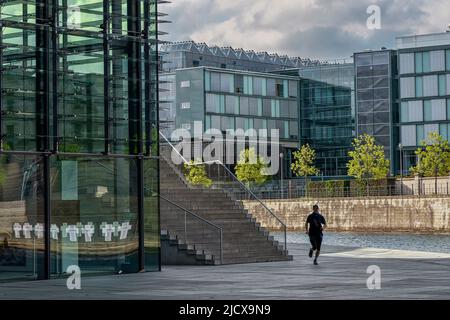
178	252
244	239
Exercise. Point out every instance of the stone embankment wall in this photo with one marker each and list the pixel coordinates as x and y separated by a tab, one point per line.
430	214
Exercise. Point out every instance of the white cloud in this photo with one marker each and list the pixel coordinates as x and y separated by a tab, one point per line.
302	27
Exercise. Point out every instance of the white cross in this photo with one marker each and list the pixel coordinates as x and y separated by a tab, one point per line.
27	228
17	228
39	230
116	226
72	231
107	230
124	230
64	230
54	230
88	231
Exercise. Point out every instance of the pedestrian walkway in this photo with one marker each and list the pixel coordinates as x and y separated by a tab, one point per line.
342	274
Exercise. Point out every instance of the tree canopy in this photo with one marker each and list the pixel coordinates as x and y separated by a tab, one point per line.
367	159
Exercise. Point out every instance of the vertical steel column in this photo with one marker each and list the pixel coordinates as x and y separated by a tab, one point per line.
42	110
106	74
55	64
135	111
148	79
1	86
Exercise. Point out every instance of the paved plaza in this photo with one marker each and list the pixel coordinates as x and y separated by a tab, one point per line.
342	274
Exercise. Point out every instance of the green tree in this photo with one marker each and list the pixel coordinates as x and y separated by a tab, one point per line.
367	160
195	173
251	168
434	157
303	165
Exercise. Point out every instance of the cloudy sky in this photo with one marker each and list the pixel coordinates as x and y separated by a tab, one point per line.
309	28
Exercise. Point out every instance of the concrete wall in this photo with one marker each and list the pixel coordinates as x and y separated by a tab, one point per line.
424	186
427	214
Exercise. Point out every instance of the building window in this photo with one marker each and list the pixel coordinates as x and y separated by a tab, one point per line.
239	83
271	87
248	85
232	105
406	63
244	110
437	60
427	111
404	112
419	87
226	82
207	81
407	87
429	86
420	135
275	108
259	86
426	62
443	130
448	109
215	103
442	85
447	55
185	105
293	89
207	122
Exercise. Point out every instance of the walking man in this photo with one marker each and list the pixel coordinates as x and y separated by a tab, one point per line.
315	224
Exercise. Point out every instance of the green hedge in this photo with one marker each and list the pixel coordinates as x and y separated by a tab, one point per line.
350	188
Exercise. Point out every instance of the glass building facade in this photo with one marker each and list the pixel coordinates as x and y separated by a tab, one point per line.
327	114
376	94
231	100
424	102
79	121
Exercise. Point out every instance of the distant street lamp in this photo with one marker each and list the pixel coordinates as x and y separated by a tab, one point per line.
400	147
281	180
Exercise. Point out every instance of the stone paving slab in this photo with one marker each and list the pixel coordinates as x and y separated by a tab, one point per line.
340	275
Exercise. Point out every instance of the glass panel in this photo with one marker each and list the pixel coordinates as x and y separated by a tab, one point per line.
442	85
94	206
21	217
419	62
244	109
215	81
426	62
419	87
151	217
447	59
404	112
232	105
427	111
81	98
19	92
420	134
443	130
207	81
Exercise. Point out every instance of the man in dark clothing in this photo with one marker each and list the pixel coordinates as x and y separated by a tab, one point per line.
315	224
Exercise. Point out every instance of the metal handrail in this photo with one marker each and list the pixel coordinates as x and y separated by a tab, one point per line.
183	209
201	219
234	177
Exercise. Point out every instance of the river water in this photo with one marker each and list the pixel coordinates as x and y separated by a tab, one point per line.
403	241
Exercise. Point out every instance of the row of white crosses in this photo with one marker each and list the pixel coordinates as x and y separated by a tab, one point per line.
73	232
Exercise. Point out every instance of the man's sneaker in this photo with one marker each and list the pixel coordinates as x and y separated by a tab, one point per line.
315	262
310	253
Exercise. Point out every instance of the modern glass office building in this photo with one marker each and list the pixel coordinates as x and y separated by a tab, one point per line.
424	75
229	100
327	114
78	157
376	99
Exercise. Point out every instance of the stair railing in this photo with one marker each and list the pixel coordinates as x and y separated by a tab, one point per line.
234	180
183	234
196	217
